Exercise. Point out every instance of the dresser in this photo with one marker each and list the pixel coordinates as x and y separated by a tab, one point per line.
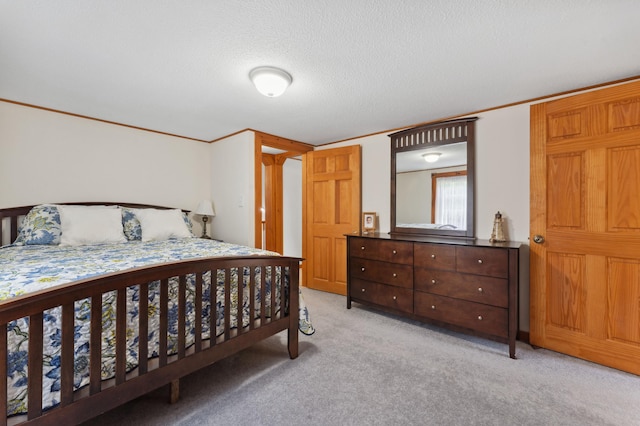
470	286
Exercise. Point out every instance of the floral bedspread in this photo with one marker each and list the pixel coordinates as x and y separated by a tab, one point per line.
25	269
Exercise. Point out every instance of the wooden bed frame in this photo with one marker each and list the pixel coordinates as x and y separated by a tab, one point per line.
100	396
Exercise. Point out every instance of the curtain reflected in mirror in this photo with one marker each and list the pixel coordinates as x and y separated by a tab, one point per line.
450	200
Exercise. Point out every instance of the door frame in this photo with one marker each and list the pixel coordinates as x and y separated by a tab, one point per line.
273	221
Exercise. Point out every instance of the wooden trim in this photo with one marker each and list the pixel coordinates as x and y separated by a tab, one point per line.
312	147
290	154
230	134
537	220
305	222
468	114
115	123
285	144
257	187
523	336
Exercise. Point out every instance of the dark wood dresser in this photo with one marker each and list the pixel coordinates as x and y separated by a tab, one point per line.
469	286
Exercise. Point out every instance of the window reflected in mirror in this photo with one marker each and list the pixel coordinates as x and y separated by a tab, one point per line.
449	199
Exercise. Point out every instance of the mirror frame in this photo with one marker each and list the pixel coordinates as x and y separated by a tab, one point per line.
430	135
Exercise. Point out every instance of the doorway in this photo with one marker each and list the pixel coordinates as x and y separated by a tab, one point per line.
271	155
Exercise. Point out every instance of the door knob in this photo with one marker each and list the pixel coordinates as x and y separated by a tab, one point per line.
538	239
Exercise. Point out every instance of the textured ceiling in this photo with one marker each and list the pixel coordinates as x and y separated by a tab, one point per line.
358	67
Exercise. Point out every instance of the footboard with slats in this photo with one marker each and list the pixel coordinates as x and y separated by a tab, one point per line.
273	314
101	395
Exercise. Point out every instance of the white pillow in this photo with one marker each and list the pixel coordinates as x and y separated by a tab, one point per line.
158	224
84	225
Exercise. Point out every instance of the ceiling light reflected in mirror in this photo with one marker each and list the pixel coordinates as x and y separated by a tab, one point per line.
431	157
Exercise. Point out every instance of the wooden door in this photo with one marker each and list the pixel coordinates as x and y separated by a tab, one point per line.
331	209
273	225
585	203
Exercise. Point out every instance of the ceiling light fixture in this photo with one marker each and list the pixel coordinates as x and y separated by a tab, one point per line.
270	81
431	157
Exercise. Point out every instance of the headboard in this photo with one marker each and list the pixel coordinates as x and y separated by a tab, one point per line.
10	218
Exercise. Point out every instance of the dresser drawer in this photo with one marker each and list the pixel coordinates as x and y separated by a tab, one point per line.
435	256
384	250
482	261
399	275
476	288
476	316
400	299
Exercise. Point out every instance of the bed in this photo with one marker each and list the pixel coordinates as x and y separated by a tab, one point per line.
168	304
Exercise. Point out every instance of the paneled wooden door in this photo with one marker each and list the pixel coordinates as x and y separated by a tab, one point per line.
585	225
332	200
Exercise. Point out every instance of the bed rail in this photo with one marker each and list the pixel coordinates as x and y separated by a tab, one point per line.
9	223
100	395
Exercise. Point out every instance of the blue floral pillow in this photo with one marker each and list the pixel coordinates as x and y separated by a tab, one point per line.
132	228
41	226
131	225
187	220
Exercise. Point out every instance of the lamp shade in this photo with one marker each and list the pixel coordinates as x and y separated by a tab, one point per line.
205	208
270	81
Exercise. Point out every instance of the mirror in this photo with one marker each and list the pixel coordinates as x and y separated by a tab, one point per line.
433	196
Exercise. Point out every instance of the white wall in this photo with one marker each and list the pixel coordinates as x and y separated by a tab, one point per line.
502	181
413	197
502	171
52	157
292	207
232	181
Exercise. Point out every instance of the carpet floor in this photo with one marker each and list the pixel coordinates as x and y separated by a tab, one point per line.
363	367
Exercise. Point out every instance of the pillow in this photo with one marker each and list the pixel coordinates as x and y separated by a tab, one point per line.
41	226
157	224
84	225
131	224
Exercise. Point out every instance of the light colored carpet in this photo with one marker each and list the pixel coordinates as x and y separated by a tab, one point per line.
362	367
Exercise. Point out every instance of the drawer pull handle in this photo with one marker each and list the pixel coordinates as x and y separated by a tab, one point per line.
479	317
433	256
363	290
395	298
395	275
480	290
395	252
433	281
362	269
479	260
433	307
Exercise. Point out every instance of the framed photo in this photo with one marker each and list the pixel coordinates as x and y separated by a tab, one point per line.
369	221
